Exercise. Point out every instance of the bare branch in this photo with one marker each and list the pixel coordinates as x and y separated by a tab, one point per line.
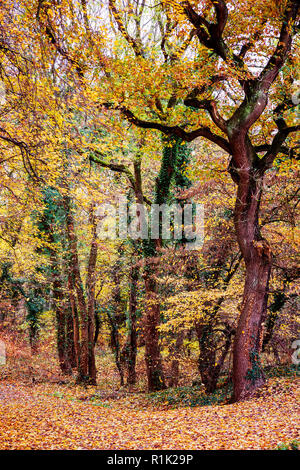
211	107
276	146
271	70
135	43
177	130
118	167
222	15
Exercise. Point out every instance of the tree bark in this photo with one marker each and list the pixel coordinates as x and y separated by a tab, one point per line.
209	367
175	351
86	372
115	344
153	361
246	164
61	326
70	337
97	324
247	371
34	339
117	318
132	336
75	320
155	374
90	288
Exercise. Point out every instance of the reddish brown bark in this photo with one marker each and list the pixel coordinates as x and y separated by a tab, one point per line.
247	171
247	371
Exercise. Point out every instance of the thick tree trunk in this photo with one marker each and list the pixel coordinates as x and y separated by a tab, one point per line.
247	371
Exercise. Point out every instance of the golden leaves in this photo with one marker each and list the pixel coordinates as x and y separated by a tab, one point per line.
41	418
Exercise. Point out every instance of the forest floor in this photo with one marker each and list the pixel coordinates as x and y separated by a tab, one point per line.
40	409
53	416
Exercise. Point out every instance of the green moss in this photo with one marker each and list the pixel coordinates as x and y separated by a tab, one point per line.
282	370
191	396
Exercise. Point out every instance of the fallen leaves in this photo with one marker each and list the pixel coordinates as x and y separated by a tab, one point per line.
32	419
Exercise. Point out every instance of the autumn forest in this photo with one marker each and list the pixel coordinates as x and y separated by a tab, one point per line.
149	225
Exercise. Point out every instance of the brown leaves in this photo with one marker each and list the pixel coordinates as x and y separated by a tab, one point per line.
35	419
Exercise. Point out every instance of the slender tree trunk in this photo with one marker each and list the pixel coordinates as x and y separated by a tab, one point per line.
153	361
115	345
207	356
155	374
91	333
279	300
34	338
247	371
174	378
117	318
61	314
61	326
97	325
34	308
70	338
75	320
60	306
132	336
90	288
83	366
209	366
83	372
